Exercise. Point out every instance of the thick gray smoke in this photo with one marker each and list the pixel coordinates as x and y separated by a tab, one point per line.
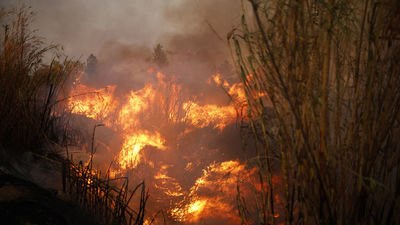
85	27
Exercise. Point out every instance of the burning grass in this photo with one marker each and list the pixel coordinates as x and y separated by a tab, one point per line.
159	125
108	202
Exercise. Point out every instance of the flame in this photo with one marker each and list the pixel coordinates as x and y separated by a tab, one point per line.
137	102
167	184
99	104
235	90
192	210
93	103
139	117
203	116
218	179
130	156
196	207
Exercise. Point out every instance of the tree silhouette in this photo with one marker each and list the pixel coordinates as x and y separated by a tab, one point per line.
91	65
159	56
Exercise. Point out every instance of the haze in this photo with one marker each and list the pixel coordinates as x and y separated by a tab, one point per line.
85	27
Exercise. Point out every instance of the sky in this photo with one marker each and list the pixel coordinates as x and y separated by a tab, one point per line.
83	27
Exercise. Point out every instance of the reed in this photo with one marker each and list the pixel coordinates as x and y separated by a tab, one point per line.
31	116
109	203
329	71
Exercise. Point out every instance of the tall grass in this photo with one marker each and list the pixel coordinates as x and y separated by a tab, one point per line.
30	90
330	71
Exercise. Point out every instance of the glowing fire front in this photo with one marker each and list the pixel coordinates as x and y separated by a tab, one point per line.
140	118
127	116
129	156
212	195
203	116
138	101
93	103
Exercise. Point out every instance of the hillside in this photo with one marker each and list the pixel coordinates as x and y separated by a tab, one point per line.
23	202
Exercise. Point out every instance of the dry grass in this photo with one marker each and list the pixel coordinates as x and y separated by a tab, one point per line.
99	197
29	114
330	71
32	116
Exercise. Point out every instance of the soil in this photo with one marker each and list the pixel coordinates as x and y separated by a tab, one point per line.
23	202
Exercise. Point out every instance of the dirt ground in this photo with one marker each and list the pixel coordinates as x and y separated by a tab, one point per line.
25	203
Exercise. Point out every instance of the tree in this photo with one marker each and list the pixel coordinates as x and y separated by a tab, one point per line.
91	65
159	56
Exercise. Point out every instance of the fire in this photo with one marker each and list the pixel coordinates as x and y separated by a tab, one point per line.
203	116
129	156
217	182
235	90
169	185
196	207
137	102
192	210
99	104
93	103
143	118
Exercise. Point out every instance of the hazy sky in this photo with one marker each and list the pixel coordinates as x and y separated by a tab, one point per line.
87	26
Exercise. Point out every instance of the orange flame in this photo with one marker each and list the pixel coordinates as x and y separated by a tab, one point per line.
167	184
235	90
125	114
137	102
203	116
93	103
219	179
129	156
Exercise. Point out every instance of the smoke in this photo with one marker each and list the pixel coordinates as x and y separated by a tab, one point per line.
123	33
85	27
201	26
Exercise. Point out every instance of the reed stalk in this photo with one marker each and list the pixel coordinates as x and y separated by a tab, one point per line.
328	70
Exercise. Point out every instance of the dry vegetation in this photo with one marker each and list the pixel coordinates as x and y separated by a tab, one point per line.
330	70
102	198
30	115
34	118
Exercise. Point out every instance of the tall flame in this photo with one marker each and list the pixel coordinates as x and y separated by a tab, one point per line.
137	102
139	117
